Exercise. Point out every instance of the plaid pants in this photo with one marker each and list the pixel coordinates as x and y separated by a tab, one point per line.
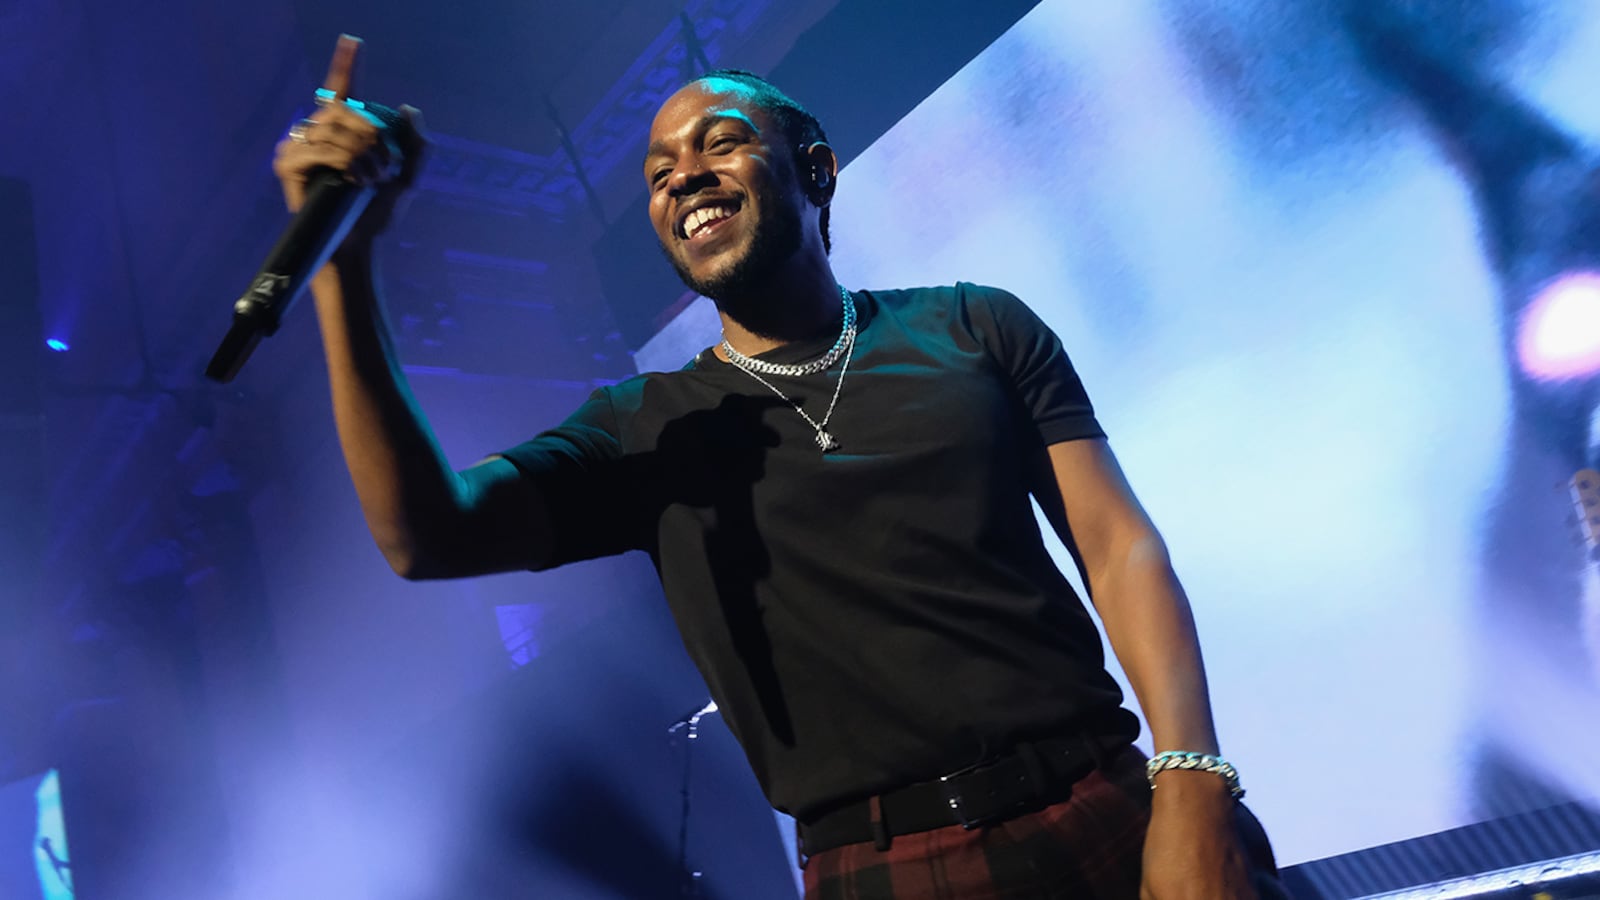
1088	847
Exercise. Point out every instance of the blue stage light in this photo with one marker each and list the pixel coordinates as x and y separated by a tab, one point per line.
58	345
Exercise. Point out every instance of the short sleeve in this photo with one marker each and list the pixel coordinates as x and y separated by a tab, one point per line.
1031	355
577	471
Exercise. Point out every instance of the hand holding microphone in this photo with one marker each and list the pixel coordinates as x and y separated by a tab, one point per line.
366	144
342	171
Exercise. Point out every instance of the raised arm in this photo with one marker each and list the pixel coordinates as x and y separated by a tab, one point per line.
1192	848
429	520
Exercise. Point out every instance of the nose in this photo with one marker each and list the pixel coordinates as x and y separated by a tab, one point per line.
688	177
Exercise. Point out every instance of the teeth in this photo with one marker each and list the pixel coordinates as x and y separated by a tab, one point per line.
704	216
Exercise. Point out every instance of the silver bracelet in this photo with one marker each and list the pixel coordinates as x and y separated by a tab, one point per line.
1199	762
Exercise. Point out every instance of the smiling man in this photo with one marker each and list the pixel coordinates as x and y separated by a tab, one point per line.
837	499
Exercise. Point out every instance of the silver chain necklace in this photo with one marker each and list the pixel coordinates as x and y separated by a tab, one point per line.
845	347
821	363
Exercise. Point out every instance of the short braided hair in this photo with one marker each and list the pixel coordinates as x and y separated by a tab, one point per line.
798	125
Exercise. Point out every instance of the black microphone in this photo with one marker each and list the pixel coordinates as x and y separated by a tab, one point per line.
332	205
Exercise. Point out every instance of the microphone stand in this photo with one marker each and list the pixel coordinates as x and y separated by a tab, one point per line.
689	724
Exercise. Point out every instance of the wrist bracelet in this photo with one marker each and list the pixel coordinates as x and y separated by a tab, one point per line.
1200	762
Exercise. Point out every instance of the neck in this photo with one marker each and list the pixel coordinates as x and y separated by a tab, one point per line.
797	304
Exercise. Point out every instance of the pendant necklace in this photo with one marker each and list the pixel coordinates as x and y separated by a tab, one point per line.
844	347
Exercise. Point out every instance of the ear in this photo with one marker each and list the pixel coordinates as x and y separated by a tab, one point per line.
818	169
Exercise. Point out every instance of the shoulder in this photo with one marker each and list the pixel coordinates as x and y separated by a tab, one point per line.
977	311
640	405
633	389
944	298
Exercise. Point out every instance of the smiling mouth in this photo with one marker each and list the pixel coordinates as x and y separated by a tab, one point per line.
706	219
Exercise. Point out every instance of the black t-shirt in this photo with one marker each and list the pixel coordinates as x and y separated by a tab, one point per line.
877	615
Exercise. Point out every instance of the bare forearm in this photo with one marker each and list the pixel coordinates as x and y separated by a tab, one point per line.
430	521
406	487
1151	630
1191	848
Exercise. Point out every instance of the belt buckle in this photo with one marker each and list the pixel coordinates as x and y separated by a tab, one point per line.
951	792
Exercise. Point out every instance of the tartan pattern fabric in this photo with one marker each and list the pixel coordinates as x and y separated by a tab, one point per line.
1088	847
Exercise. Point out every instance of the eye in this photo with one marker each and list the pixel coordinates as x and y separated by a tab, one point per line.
659	176
722	143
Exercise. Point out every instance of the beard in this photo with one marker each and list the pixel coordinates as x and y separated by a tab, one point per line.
738	285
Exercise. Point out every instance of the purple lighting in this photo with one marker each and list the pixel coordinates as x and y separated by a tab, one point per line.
1559	335
58	345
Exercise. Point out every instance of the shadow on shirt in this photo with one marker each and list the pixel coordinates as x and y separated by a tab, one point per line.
692	498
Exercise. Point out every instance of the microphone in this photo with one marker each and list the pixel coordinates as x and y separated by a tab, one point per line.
691	719
331	207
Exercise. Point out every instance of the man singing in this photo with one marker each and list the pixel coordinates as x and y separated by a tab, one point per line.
837	500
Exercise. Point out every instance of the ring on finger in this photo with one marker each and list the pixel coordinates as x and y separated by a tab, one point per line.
299	130
325	97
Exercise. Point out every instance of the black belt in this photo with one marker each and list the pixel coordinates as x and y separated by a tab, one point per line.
1030	777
